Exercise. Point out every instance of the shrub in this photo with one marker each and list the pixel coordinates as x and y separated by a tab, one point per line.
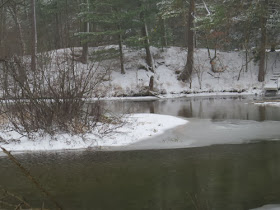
53	99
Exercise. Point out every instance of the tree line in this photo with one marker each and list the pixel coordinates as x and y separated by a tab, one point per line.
31	26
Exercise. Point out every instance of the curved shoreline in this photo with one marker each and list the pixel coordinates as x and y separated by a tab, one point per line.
138	127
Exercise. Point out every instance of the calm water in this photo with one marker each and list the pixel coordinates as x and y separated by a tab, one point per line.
214	177
215	108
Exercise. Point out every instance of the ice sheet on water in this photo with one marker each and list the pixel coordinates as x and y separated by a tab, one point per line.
269	207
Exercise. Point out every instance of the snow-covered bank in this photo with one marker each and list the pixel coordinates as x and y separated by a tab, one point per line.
137	128
233	76
169	62
269	103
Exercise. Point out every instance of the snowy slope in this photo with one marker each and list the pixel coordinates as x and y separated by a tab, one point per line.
169	62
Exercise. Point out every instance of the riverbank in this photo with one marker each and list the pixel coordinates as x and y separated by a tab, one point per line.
234	75
136	128
164	130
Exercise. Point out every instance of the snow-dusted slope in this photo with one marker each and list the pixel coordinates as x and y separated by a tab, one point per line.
169	62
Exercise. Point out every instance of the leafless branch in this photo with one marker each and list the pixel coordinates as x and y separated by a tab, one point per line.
30	177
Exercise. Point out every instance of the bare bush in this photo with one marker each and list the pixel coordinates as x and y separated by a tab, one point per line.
52	99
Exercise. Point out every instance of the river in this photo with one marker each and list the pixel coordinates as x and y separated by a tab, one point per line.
220	176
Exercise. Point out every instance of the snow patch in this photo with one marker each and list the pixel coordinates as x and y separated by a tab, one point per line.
277	104
137	128
269	207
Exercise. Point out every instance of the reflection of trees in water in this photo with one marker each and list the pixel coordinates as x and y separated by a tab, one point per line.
217	115
208	108
154	106
200	112
262	113
186	111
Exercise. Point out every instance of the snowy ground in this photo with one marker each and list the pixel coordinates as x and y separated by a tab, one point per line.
169	62
137	128
269	103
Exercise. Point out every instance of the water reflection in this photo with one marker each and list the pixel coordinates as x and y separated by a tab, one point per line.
221	177
217	108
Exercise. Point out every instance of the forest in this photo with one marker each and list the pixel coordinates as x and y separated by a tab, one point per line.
29	27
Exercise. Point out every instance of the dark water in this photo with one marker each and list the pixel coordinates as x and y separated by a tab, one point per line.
214	177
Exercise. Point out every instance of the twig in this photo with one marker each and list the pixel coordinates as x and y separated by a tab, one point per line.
7	204
193	201
213	75
18	207
241	69
16	197
30	177
208	11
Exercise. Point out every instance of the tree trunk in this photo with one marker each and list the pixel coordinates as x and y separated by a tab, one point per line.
164	34
263	21
272	49
2	30
57	34
186	74
273	36
151	83
84	57
34	37
121	51
14	13
145	34
66	40
185	25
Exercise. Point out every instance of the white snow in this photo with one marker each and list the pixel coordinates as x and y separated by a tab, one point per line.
206	132
269	103
271	85
269	207
169	62
137	128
